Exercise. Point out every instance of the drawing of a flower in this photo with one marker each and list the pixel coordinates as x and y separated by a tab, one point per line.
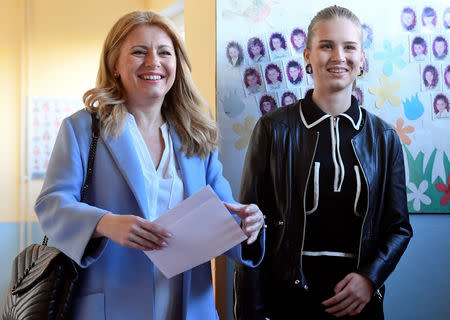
403	131
391	57
445	199
244	131
385	92
413	108
418	194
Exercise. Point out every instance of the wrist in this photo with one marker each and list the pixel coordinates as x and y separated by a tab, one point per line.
102	227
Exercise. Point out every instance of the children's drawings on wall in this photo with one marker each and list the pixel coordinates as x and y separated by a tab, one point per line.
45	117
405	80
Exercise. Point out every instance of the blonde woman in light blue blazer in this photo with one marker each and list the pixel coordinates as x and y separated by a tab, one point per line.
157	147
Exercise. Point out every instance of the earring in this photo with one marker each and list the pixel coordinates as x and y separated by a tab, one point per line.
361	71
308	69
116	75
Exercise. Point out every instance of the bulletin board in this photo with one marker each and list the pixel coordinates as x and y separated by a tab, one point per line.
260	66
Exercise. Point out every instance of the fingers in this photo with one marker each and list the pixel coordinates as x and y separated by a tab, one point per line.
348	310
134	232
252	219
242	210
149	237
335	299
252	237
154	228
341	284
352	295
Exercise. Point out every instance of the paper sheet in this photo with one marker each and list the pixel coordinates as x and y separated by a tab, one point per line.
202	229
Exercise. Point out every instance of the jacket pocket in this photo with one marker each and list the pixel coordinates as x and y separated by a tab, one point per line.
91	307
316	188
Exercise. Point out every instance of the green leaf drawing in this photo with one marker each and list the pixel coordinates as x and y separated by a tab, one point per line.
419	172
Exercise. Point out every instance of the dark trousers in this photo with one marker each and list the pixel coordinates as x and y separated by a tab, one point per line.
322	274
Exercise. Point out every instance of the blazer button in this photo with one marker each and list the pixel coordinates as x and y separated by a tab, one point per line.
280	223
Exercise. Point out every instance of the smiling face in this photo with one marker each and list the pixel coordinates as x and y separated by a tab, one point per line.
255	49
439	46
273	75
335	54
146	65
252	80
267	106
288	100
440	105
299	40
294	72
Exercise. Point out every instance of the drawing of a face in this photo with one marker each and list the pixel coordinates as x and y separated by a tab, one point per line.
407	18
428	21
288	100
294	72
447	19
256	49
447	76
276	42
439	46
440	105
418	49
299	40
252	80
267	106
365	33
273	75
429	77
234	52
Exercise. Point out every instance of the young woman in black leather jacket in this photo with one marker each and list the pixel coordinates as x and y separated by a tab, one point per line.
330	177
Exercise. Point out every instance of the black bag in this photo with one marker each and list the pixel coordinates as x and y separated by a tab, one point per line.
43	279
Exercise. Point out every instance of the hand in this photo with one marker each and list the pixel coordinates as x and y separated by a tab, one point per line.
252	219
132	232
352	295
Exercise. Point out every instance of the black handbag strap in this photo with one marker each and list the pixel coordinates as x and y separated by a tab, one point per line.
91	158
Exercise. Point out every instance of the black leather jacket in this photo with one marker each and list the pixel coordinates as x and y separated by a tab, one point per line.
275	174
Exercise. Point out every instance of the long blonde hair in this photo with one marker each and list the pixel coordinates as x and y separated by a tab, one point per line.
183	105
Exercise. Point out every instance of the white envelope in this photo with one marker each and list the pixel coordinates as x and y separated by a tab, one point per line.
202	228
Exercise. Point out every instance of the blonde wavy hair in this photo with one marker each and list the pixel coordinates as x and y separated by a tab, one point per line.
183	104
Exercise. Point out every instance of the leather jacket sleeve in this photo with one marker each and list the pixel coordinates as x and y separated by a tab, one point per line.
247	285
391	230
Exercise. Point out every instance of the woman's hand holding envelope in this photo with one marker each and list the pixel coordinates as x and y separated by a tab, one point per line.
252	219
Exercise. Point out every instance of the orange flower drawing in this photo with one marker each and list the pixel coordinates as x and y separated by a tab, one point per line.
403	132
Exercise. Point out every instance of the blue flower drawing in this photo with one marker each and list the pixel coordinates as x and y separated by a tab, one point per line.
391	57
413	108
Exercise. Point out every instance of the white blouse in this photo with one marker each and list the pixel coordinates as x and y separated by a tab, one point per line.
164	189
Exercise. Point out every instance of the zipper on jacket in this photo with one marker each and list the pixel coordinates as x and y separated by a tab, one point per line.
304	206
235	295
367	205
377	292
378	295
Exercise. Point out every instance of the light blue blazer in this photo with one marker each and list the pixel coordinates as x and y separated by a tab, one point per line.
117	282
